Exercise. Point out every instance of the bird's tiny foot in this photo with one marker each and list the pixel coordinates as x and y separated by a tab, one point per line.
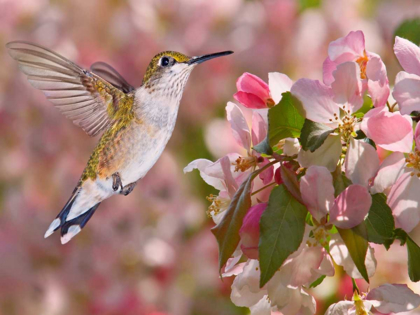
116	181
128	189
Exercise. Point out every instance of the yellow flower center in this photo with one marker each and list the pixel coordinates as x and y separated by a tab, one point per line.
362	61
218	204
346	127
413	161
244	163
320	235
358	303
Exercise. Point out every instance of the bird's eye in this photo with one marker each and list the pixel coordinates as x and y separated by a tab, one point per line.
164	62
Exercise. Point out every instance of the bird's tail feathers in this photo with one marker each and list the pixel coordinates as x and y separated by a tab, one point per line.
71	227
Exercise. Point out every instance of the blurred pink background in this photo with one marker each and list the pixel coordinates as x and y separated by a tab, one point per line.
152	252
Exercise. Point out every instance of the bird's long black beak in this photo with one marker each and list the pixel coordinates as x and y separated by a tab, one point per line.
203	58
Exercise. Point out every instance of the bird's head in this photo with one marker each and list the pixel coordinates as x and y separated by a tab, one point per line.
169	70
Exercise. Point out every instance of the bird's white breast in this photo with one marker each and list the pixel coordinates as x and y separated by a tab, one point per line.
158	115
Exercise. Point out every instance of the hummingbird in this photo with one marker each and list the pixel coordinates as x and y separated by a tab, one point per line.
136	123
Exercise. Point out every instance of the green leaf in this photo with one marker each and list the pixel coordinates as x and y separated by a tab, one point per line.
357	244
380	222
313	135
284	121
413	251
409	29
282	226
413	260
401	235
227	231
317	282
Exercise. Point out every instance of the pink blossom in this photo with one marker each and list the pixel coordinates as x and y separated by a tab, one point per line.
393	298
322	103
250	230
407	83
361	162
287	299
255	93
346	211
220	175
387	298
326	155
372	69
340	253
400	178
389	171
243	137
404	199
317	191
325	104
391	131
308	265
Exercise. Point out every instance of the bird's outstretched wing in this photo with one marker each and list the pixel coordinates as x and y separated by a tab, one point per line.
85	97
111	75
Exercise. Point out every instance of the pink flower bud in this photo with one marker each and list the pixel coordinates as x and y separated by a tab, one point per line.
253	92
250	231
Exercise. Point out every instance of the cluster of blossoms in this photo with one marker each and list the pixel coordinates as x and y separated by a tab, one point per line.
329	168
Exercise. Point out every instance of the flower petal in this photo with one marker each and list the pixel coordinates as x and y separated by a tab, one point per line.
305	266
351	207
317	191
201	165
408	54
266	175
347	86
407	92
239	125
259	128
341	256
263	307
230	182
326	155
250	230
289	300
328	68
278	83
347	48
361	163
391	168
252	84
249	100
417	136
390	131
245	288
378	84
340	308
404	199
317	100
393	298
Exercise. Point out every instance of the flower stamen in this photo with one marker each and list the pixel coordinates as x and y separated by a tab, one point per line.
244	163
413	161
346	127
218	205
362	61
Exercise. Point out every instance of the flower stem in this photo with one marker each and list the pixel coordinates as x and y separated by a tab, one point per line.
262	188
355	287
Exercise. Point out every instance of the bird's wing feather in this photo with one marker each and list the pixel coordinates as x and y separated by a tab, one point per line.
84	97
108	73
